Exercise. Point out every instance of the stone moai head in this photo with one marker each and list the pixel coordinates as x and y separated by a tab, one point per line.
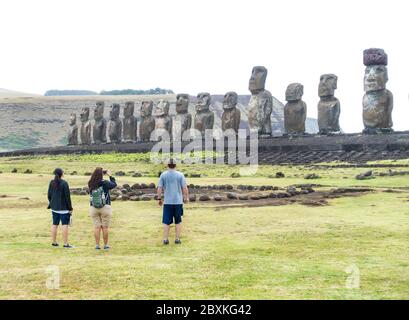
146	108
376	73
375	78
114	112
257	80
84	114
162	108
328	85
203	102
99	110
230	100
182	103
294	92
73	119
129	109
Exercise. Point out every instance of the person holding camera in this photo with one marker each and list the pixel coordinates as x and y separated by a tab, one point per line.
59	201
172	183
100	204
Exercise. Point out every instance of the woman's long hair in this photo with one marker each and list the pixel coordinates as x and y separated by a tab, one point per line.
96	178
57	177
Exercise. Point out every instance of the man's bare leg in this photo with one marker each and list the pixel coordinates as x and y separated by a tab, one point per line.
166	229
178	230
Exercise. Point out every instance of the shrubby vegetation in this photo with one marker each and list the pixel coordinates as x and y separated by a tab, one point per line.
121	92
136	92
50	93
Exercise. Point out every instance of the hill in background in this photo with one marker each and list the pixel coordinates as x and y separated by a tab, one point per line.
39	121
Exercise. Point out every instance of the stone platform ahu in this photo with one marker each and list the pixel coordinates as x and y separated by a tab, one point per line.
139	133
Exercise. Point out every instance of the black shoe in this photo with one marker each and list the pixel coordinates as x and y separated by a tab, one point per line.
166	242
55	244
177	241
68	246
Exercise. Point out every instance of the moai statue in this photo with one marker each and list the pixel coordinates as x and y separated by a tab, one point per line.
295	111
377	101
147	124
231	115
204	118
99	131
73	130
261	102
115	124
129	123
85	131
162	119
183	120
329	107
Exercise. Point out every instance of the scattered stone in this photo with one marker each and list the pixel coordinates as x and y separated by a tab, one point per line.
87	174
235	175
312	176
232	196
125	197
152	186
83	193
28	171
204	197
255	197
144	186
136	186
192	197
243	197
113	197
134	198
365	175
195	175
126	186
74	173
120	174
217	197
146	198
280	175
137	174
229	187
272	195
14	170
24	198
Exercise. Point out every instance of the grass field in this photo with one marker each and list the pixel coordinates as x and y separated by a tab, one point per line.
280	252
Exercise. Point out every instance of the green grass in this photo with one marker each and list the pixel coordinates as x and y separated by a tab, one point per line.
281	252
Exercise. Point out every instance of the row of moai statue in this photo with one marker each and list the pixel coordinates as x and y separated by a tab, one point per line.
377	110
126	130
377	101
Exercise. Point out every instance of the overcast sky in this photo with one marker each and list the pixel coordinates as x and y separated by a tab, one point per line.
193	45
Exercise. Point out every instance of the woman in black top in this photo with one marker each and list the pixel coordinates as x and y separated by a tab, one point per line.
59	200
101	212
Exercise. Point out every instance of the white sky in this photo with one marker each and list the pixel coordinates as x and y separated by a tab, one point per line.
194	45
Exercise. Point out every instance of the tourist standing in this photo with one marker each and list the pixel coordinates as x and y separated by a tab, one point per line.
100	204
173	184
59	201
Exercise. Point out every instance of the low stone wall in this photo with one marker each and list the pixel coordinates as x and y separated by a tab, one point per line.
352	148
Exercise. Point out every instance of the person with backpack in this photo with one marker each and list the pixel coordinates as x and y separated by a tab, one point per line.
59	201
100	204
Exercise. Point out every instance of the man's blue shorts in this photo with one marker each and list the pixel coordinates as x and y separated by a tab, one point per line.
64	218
172	213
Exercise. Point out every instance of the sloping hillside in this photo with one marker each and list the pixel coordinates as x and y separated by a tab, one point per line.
42	121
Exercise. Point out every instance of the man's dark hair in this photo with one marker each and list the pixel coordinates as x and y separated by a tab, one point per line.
171	164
